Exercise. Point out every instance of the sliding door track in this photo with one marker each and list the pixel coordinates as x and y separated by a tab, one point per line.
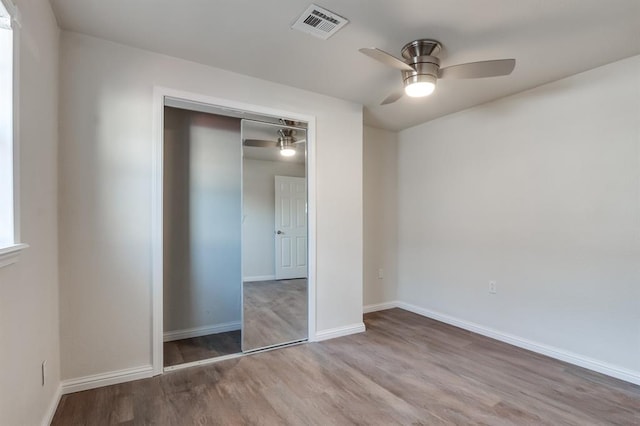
232	356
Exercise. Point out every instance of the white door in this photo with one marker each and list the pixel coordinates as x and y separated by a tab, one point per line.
291	227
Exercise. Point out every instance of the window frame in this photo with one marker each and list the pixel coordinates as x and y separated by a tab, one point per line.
10	253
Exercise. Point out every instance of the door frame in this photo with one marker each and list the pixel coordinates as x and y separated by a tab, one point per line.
157	238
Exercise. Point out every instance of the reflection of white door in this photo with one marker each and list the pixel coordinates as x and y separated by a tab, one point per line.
291	227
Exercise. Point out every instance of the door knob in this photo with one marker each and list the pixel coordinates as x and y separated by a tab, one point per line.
279	232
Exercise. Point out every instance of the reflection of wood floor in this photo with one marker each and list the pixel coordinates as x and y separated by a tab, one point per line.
274	312
405	369
198	348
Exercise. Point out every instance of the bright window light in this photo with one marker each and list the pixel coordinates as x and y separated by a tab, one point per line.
6	132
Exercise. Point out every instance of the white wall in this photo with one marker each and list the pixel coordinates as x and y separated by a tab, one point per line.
202	282
380	215
540	192
105	195
258	192
29	288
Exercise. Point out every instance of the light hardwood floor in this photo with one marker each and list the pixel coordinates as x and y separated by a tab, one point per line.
405	369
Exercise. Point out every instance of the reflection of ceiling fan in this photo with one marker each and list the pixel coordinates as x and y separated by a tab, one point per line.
286	141
421	68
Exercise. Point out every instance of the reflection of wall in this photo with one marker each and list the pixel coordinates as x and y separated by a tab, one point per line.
258	248
202	222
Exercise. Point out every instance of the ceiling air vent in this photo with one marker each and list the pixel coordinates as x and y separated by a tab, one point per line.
319	22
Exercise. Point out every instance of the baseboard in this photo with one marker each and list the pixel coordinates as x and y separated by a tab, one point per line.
188	333
379	307
106	379
259	278
53	406
552	352
332	333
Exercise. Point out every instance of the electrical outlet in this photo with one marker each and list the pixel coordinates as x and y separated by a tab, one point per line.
44	371
380	273
493	287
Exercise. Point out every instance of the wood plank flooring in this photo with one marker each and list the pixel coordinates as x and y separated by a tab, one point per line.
199	348
405	369
275	312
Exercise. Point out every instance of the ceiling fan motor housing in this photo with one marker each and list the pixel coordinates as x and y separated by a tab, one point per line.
420	54
424	71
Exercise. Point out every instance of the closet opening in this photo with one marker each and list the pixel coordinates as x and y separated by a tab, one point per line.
234	230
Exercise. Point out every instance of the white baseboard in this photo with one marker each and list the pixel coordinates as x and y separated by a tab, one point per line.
259	278
188	333
560	354
106	379
332	333
379	307
53	406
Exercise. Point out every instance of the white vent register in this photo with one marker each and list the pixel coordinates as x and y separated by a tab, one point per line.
319	22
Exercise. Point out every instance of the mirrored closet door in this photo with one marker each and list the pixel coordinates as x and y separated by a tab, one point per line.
274	234
234	233
201	236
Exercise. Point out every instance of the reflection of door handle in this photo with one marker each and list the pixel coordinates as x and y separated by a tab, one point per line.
279	232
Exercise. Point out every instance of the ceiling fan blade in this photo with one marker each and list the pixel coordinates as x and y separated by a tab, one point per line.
385	58
300	141
260	143
392	97
480	69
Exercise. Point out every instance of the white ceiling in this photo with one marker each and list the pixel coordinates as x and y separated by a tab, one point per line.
550	39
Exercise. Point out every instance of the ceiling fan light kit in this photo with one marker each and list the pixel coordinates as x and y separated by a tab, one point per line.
287	152
421	79
286	142
421	70
287	148
419	85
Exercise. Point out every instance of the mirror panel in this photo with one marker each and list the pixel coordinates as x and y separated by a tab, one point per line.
274	235
201	236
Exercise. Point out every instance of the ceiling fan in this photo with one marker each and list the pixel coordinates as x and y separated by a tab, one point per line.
420	68
286	140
